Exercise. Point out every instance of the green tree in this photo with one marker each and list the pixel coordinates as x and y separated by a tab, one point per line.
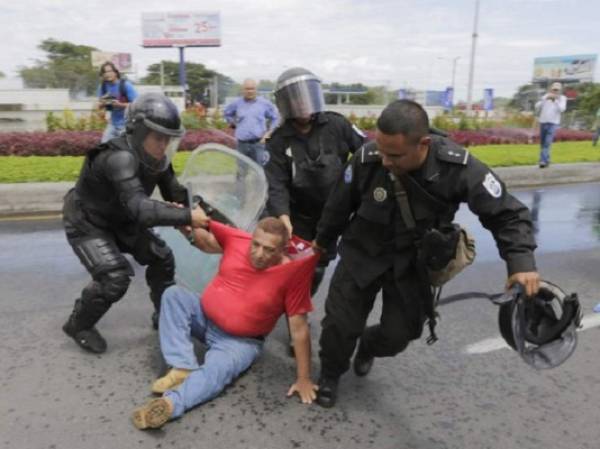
369	95
588	97
266	85
526	97
67	65
199	78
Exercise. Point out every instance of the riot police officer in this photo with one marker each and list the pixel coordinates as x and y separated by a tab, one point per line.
307	153
392	195
109	212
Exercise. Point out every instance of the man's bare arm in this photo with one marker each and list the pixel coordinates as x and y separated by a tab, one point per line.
304	386
206	241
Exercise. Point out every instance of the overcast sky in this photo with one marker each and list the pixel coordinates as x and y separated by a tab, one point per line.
397	43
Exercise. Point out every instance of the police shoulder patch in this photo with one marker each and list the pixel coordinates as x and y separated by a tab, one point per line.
453	154
369	153
348	174
492	185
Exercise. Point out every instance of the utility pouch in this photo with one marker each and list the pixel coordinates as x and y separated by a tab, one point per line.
446	253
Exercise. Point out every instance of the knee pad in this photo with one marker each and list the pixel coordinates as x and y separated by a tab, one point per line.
114	285
100	255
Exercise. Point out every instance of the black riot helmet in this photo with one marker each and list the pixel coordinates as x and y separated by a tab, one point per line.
542	329
298	94
154	113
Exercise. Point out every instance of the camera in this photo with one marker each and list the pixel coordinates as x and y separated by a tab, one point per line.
107	101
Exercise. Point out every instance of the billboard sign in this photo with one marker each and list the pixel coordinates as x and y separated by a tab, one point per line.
181	29
565	68
121	60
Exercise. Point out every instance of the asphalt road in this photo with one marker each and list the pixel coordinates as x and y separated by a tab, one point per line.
459	393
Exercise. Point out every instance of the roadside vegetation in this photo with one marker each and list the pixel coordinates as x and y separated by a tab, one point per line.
15	169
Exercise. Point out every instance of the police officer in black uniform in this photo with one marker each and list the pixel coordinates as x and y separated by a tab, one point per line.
307	153
380	246
109	212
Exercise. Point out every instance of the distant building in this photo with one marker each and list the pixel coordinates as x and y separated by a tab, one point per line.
26	109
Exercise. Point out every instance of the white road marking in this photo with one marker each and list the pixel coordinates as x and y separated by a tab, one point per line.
493	344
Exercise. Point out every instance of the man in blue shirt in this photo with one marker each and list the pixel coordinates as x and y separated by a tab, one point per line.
254	119
114	95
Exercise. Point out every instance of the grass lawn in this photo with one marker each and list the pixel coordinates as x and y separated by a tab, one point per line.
562	152
66	168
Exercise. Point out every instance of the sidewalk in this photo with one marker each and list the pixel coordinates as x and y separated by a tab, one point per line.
46	197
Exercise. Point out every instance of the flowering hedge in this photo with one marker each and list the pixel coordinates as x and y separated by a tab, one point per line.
76	143
496	136
499	136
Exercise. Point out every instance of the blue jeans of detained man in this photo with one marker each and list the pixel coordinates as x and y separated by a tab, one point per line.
227	356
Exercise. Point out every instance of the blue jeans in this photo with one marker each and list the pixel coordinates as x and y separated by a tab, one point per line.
228	356
596	136
112	131
547	131
255	151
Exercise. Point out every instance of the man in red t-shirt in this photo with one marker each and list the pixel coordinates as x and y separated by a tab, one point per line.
261	276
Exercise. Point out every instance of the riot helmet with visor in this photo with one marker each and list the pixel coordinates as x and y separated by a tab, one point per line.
154	130
298	94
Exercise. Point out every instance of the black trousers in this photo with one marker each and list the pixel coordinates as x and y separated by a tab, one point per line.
346	311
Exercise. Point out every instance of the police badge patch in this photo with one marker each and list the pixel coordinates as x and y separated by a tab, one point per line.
380	194
492	185
348	174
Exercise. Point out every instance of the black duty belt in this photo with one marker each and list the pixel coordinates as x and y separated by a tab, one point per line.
249	141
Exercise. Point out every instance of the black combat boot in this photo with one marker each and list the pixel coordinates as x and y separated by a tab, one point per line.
327	393
80	326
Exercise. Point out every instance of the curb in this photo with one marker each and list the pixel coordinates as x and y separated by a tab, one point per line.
47	197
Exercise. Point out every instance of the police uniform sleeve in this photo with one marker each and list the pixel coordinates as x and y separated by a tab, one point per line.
342	202
354	136
502	214
171	189
121	170
279	176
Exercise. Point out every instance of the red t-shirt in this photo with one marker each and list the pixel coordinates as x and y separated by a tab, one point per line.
247	302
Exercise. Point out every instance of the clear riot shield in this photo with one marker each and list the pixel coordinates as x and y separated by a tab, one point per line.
231	184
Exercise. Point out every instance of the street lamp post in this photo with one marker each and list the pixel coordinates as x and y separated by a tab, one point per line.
454	60
472	62
454	70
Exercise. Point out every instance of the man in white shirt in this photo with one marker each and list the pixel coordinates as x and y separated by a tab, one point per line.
549	108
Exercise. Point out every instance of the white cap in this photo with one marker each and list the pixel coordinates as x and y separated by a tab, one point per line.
556	86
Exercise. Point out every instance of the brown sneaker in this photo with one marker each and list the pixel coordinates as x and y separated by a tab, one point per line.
174	377
152	415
